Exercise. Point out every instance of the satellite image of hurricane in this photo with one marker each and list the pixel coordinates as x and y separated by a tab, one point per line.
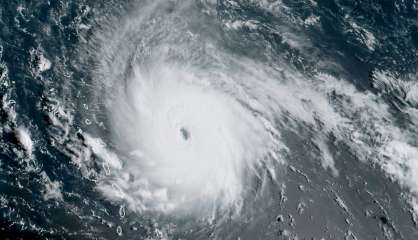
209	119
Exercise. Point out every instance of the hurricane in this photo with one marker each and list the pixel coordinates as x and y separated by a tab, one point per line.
170	119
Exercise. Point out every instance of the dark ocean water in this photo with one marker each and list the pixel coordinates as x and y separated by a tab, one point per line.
355	180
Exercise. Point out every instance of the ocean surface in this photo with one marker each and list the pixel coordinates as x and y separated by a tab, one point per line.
205	119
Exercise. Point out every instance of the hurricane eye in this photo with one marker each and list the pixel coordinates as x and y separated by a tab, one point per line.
185	134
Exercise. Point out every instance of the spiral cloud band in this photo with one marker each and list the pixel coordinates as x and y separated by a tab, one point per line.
190	133
197	127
